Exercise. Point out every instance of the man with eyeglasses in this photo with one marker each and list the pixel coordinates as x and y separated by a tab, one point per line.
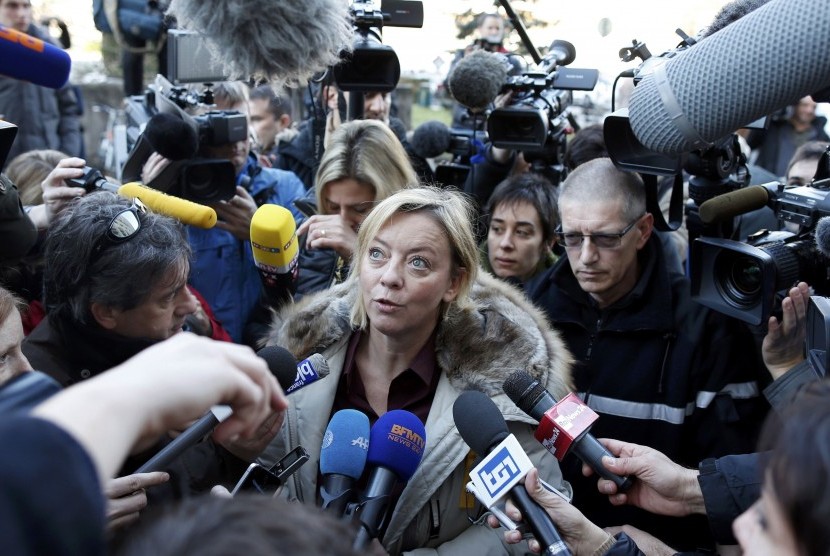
659	369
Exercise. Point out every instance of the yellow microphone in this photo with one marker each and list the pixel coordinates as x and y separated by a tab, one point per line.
186	212
276	251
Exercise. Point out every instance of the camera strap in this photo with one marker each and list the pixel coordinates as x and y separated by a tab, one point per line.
675	205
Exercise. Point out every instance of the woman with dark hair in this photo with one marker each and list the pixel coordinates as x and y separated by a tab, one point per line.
793	514
522	219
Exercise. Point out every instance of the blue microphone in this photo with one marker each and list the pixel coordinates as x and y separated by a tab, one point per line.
30	59
343	457
396	446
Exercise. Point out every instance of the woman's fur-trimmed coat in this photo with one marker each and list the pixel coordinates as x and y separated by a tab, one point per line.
477	349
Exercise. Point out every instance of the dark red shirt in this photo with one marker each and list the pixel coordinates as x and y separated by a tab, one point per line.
412	390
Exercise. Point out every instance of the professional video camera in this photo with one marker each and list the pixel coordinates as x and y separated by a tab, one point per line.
372	65
188	176
748	280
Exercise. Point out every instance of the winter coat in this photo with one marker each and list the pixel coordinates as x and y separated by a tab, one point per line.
475	349
660	370
223	268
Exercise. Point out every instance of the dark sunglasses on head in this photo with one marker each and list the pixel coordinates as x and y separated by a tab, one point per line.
123	226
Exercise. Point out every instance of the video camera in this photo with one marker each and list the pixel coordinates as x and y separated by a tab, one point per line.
373	66
189	176
748	280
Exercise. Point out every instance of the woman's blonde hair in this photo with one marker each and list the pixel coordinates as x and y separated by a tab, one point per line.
368	152
28	170
451	211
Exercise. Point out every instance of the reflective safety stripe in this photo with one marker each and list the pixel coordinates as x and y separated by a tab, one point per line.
663	412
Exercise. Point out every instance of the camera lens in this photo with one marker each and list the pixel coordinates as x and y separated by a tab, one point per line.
743	282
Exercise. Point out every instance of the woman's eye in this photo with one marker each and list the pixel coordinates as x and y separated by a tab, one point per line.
420	264
375	254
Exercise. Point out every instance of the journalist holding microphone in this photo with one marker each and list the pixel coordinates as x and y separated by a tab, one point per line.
414	326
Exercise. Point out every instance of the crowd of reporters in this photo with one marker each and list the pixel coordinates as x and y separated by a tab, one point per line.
415	293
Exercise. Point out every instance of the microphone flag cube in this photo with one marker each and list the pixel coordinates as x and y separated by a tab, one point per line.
563	424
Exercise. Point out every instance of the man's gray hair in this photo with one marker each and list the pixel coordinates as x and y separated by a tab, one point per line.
119	275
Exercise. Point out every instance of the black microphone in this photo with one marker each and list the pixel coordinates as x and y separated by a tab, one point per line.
561	53
172	137
482	427
431	139
285	369
532	398
477	78
732	78
285	44
823	236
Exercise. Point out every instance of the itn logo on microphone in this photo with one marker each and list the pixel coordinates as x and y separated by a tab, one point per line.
500	471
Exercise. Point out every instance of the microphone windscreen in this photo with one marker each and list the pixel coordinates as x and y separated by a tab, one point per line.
345	444
397	442
477	78
732	204
431	139
823	236
730	79
274	239
285	42
171	137
186	212
281	363
30	59
479	421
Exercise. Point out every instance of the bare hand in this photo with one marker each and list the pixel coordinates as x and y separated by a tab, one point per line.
783	346
581	536
661	486
249	449
56	194
235	214
154	165
329	231
126	496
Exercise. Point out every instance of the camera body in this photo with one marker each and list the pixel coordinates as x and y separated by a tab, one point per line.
748	280
197	179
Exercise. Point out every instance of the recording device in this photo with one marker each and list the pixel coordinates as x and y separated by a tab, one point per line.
433	138
818	334
371	65
286	43
290	374
190	59
258	478
396	446
8	131
748	280
501	473
158	121
30	59
563	425
343	458
182	210
276	252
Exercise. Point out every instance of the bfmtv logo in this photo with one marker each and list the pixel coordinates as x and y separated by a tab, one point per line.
498	472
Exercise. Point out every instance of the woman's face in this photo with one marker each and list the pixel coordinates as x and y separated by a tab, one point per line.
514	241
406	274
350	199
763	529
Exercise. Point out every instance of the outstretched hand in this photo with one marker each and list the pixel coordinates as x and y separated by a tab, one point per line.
783	346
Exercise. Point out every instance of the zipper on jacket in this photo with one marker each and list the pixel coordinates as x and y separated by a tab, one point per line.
592	338
668	337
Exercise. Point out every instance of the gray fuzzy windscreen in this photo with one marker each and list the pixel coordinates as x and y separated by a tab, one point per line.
282	41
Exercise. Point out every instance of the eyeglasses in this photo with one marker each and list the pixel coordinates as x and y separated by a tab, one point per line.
573	240
123	226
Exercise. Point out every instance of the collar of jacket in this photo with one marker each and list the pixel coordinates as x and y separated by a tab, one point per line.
648	306
478	348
